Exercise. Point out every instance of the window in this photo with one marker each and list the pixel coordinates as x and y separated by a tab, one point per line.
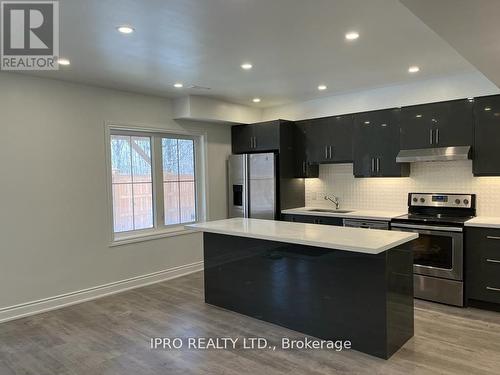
132	183
179	186
155	180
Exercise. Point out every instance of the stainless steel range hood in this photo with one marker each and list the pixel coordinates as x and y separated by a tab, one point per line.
434	154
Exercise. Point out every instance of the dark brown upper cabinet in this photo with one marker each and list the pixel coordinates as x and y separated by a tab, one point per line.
376	144
259	137
440	124
303	166
329	139
487	136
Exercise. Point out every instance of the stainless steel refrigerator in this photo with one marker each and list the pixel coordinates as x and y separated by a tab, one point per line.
252	186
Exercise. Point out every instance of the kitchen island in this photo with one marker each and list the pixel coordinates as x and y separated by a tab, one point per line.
333	283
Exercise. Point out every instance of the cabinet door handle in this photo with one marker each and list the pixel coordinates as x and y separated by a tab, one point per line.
304	167
254	142
437	136
251	142
493	237
378	164
326	152
373	165
492	260
431	138
330	152
493	289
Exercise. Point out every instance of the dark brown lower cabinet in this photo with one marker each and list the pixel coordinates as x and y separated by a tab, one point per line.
330	294
326	220
482	253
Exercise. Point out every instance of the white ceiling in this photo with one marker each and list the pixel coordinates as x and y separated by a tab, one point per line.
293	44
472	28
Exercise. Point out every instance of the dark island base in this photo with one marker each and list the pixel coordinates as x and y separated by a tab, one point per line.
328	294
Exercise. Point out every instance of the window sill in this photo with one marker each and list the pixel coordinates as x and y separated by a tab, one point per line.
148	236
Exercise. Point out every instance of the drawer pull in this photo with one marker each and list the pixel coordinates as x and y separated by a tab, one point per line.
493	289
493	237
493	260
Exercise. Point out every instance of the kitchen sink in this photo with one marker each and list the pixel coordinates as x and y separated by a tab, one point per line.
329	210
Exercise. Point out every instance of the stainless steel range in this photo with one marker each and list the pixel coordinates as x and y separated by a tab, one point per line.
439	251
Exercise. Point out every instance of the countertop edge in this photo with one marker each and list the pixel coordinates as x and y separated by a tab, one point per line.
362	250
350	215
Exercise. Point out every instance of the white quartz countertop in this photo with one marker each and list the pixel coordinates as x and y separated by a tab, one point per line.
354	214
368	241
484	222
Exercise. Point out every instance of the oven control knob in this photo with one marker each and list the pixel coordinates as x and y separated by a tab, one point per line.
422	200
415	200
457	201
466	202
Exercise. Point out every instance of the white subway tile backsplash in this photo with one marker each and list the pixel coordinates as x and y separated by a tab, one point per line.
392	193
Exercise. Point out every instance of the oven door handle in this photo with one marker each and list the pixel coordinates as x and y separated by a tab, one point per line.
427	227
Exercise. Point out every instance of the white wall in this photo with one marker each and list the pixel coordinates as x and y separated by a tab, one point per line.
392	193
202	108
54	227
434	90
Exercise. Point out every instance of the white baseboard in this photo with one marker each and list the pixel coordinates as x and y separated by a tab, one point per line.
67	299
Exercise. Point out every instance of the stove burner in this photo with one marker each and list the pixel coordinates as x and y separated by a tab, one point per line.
442	209
438	218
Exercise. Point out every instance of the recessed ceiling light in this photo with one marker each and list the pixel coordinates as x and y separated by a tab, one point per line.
246	66
487	108
352	35
470	99
322	87
413	69
63	61
256	100
367	122
178	85
418	116
125	29
383	125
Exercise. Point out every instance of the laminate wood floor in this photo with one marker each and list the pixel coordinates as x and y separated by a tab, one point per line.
112	336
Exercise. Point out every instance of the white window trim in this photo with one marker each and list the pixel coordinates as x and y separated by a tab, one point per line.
159	230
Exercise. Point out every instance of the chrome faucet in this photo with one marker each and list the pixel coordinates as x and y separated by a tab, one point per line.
334	199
